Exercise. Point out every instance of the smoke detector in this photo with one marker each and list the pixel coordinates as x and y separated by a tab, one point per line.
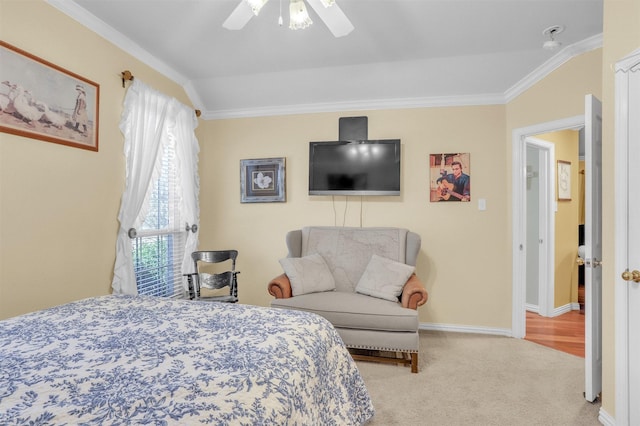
551	32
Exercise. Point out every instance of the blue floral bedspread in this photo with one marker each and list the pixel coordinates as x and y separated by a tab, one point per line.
142	360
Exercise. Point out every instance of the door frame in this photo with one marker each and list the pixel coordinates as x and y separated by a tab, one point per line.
622	130
518	208
546	228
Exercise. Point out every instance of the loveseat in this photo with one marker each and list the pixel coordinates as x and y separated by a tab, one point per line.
360	279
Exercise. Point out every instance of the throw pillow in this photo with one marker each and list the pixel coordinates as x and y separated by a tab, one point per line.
309	274
384	278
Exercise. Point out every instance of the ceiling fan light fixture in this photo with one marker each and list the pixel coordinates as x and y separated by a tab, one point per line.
298	15
256	5
552	43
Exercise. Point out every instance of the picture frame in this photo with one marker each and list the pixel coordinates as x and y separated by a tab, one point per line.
450	177
564	180
262	180
40	100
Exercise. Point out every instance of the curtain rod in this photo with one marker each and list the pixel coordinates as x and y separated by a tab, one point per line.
127	76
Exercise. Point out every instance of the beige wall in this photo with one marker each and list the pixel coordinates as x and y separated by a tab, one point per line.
59	205
466	253
463	249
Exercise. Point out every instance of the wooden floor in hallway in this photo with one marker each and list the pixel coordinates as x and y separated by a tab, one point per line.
564	332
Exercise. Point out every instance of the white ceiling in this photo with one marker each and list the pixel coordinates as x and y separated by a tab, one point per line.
402	53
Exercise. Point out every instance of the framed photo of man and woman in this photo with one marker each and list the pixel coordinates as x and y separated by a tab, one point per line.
450	177
43	101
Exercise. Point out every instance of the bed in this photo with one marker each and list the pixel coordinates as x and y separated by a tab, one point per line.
143	360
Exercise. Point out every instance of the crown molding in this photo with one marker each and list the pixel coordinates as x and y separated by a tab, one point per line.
361	105
553	64
79	14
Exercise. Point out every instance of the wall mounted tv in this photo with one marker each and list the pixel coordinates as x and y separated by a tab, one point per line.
369	167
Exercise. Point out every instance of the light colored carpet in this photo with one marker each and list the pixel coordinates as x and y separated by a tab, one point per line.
471	379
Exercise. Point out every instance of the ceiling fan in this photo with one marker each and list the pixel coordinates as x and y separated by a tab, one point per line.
330	13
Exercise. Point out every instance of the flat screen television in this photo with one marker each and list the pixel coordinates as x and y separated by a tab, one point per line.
369	167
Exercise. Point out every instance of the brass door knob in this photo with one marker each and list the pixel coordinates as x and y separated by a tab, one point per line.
580	261
631	276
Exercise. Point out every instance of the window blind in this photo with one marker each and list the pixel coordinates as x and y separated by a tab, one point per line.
158	248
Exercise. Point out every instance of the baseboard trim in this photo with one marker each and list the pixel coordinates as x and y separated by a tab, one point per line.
556	311
575	306
465	329
563	310
490	330
605	418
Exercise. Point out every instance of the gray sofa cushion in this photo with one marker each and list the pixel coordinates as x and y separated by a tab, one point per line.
347	251
355	311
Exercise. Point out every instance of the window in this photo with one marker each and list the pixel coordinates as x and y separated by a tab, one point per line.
160	197
158	248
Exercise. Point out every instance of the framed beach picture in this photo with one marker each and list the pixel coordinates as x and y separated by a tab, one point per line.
41	100
262	180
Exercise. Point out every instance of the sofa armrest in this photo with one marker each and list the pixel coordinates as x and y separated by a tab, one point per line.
280	287
414	294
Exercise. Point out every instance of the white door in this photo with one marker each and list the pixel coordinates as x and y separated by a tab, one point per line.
533	229
593	248
541	216
633	285
627	241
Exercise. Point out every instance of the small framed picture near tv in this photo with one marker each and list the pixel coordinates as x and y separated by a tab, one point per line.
564	180
262	180
370	167
450	177
40	100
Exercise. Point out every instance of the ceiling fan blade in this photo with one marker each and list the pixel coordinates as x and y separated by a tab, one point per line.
239	17
333	17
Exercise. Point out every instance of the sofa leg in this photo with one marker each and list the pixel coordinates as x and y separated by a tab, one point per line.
414	363
406	358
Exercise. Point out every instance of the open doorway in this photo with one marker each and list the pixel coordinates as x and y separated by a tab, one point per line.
591	121
544	246
553	317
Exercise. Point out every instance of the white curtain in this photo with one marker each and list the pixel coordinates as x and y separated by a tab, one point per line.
187	150
149	121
